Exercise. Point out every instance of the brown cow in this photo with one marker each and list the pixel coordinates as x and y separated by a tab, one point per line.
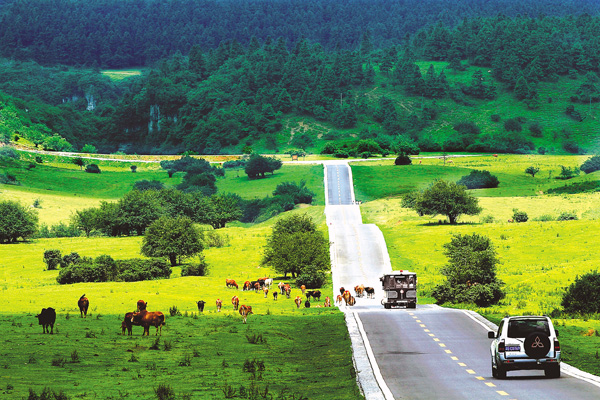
327	302
298	301
246	285
219	304
347	296
83	303
275	295
147	318
231	283
245	311
127	324
236	302
266	291
303	288
141	305
280	286
339	299
352	301
288	289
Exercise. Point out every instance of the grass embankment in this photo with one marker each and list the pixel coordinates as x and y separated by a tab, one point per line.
538	260
305	352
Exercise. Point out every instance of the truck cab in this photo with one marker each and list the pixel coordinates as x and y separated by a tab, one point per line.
400	289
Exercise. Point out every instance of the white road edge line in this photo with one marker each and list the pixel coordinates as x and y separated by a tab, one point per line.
566	368
387	393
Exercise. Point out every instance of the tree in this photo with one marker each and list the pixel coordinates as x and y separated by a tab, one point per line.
445	198
78	161
16	221
133	168
532	171
86	220
258	165
52	258
224	208
582	296
138	209
296	245
92	169
470	272
171	237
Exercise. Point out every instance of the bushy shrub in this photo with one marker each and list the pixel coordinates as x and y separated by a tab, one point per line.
329	148
80	272
57	231
8	152
141	269
402	159
478	180
591	164
234	164
583	296
92	169
8	179
567	216
214	239
495	118
544	218
52	258
299	193
513	125
568	172
519	216
483	295
536	130
311	277
145	184
71	258
200	269
577	187
571	147
341	154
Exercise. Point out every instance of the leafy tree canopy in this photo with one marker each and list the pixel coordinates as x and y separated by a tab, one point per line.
172	238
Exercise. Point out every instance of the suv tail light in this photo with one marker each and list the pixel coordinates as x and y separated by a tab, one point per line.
556	345
501	346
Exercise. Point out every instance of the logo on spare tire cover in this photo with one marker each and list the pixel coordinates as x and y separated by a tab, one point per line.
537	345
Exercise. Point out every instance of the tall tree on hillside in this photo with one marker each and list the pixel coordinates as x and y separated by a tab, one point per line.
172	238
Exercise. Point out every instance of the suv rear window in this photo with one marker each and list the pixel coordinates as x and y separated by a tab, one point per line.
521	328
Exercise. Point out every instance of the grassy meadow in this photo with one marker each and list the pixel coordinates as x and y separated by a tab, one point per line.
538	259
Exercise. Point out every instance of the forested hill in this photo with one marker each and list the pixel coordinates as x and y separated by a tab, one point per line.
124	33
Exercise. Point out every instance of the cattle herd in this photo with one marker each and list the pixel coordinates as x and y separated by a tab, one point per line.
144	318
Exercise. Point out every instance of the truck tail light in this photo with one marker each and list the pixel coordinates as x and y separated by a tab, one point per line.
556	345
501	346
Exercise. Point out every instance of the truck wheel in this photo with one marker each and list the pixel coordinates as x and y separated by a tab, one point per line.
553	371
500	372
411	305
387	306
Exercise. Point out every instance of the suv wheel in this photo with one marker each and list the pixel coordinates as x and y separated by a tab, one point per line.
553	371
499	372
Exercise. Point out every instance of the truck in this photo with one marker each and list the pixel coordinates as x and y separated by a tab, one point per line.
400	289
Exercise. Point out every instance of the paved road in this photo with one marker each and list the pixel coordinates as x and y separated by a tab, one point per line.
425	353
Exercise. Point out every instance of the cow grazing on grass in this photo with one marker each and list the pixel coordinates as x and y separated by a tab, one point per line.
307	304
236	302
83	303
201	304
288	290
370	292
219	303
127	324
230	283
275	295
147	319
315	294
298	301
280	286
268	282
256	285
47	318
303	288
141	305
266	291
246	285
327	302
339	299
245	311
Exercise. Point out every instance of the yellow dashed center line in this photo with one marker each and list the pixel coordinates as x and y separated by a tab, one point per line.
426	330
436	339
490	384
418	320
442	344
448	351
422	325
470	371
462	364
481	378
431	334
501	392
454	358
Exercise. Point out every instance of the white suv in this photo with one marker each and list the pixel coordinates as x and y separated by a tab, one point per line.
527	342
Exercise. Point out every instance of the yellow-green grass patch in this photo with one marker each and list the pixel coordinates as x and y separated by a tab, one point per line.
120	74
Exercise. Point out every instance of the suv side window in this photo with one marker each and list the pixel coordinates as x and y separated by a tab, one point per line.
500	329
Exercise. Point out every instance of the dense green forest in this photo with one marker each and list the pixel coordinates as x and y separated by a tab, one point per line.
125	33
436	87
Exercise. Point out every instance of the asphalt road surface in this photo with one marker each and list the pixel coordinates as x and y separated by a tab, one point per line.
428	352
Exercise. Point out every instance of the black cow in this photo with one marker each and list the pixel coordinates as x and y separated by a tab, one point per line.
370	292
201	304
47	318
315	294
307	304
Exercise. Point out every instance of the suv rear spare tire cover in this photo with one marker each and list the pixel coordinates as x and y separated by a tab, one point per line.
537	345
